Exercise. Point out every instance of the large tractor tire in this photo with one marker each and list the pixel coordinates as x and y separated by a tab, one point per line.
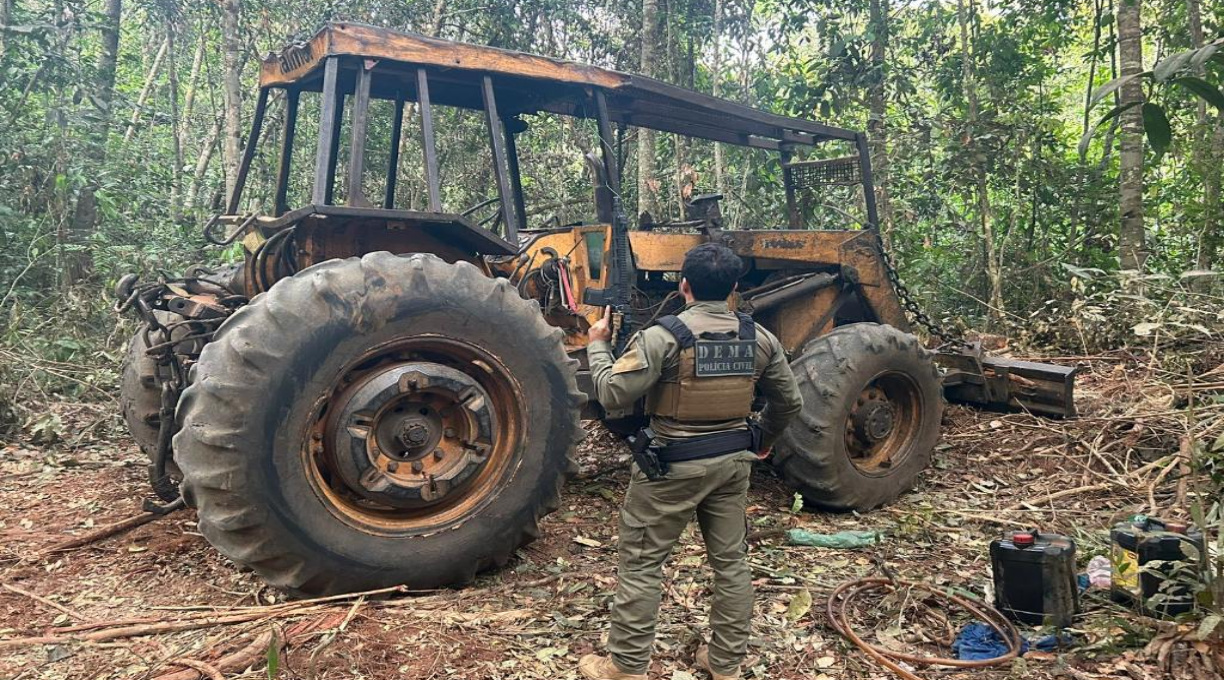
378	421
140	394
871	415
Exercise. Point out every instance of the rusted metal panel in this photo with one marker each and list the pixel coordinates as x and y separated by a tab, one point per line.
801	319
325	239
862	253
974	378
540	83
381	43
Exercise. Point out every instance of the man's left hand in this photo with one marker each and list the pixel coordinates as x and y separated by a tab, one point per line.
601	331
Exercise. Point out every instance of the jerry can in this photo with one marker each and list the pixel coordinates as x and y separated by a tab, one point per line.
1178	549
1034	578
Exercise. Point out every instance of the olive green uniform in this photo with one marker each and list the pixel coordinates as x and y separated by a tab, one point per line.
655	513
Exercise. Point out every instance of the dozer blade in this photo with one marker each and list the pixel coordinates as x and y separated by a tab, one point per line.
972	377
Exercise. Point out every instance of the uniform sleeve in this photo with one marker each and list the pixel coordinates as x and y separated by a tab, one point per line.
781	392
621	382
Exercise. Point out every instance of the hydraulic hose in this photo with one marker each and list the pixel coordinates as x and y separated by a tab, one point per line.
845	593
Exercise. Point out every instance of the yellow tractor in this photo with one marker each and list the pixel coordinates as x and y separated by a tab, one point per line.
387	394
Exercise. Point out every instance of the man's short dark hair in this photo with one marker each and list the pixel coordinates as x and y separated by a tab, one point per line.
711	270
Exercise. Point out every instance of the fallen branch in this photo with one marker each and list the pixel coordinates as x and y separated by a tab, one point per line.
235	661
1059	494
203	669
107	634
54	605
246	613
105	532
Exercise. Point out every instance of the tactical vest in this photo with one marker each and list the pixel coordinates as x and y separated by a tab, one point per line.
715	375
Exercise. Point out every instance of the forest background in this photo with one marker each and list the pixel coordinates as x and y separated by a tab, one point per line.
1037	177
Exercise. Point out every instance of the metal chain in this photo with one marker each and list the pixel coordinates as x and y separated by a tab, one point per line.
911	306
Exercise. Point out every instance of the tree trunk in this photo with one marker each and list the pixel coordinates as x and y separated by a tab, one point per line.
877	104
1195	19
745	83
966	13
201	166
176	181
439	14
231	59
108	57
78	263
686	175
1206	158
1131	238
1211	239
6	18
648	182
716	70
143	99
193	83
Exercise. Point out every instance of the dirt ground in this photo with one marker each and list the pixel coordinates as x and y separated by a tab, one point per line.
158	602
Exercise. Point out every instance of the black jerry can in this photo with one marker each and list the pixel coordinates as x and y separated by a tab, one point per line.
1034	578
1178	550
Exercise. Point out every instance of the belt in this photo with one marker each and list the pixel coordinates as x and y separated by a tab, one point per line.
710	446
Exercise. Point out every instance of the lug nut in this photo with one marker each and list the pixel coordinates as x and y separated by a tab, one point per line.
438	454
392	466
417	466
449	432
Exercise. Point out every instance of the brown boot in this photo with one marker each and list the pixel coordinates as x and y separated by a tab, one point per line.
598	667
703	662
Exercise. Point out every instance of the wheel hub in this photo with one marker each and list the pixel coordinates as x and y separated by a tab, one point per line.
409	434
874	420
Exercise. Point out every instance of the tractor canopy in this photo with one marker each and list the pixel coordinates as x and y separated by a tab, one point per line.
356	64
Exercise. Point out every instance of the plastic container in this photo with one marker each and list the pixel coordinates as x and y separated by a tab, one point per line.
1165	588
1034	578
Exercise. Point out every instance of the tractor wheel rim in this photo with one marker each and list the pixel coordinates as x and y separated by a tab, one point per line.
408	435
883	421
415	435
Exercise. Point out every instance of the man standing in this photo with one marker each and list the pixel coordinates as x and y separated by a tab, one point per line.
698	371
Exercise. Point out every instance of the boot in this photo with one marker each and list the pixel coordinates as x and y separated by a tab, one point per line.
598	667
703	662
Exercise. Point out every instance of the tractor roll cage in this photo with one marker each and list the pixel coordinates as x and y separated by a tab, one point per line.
364	62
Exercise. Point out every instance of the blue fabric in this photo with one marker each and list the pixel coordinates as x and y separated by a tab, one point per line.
978	641
1050	643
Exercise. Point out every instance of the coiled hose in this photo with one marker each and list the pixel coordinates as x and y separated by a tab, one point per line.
845	593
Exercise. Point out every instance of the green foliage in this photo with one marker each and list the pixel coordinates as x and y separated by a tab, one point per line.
273	655
1175	70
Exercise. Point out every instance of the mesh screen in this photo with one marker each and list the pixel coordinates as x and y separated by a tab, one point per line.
833	171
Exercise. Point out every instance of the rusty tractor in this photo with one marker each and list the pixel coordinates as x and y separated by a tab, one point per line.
381	393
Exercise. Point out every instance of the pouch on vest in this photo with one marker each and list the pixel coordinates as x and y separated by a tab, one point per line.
715	377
